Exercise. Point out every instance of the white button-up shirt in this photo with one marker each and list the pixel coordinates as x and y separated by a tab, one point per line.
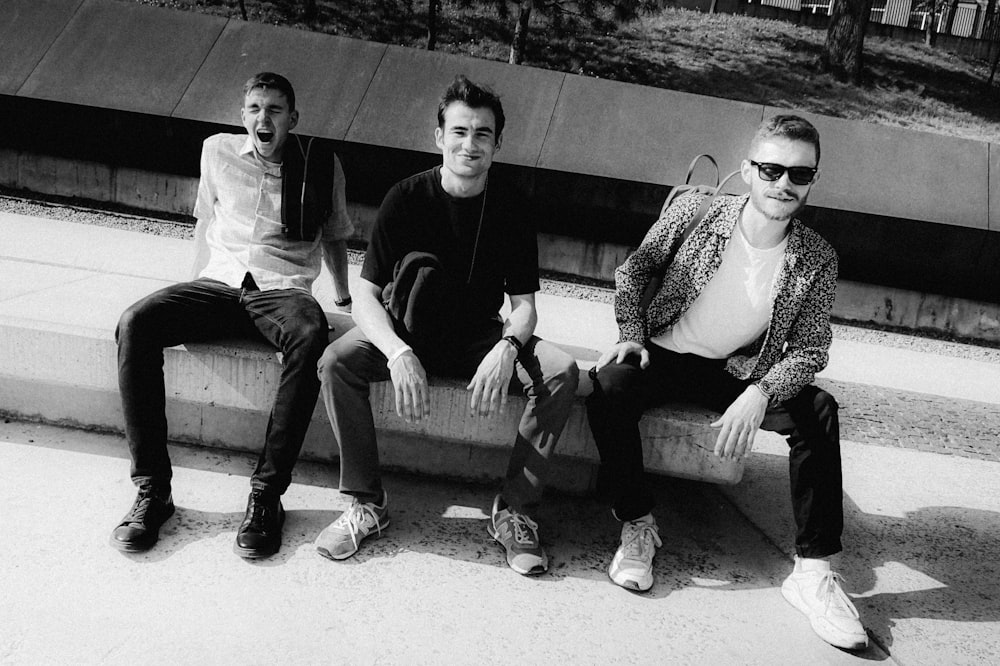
239	205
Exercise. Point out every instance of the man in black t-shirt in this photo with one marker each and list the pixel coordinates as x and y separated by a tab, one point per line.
447	244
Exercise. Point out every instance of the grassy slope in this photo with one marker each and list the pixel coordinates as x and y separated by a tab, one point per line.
734	57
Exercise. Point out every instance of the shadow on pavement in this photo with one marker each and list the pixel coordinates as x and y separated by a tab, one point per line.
936	562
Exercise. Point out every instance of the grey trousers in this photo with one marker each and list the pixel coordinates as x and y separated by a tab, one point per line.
547	375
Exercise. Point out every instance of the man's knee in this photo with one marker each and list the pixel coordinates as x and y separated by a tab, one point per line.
614	382
307	330
311	330
566	373
341	363
824	404
330	366
134	321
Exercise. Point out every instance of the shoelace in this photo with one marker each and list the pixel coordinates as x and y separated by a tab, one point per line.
257	512
142	502
356	517
832	594
639	539
525	529
141	506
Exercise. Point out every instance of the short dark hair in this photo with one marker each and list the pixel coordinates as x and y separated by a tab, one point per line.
791	127
472	95
271	80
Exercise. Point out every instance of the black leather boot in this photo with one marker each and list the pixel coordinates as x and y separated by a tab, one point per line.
139	530
260	532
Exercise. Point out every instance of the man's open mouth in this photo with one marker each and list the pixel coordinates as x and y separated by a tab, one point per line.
265	136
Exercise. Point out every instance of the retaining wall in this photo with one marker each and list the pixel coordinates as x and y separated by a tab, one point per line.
124	94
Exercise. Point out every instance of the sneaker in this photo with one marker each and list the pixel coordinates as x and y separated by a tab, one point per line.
833	617
139	530
632	566
518	534
343	536
260	532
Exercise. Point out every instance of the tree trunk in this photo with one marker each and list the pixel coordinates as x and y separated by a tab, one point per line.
989	19
930	33
993	68
243	10
952	10
520	32
845	38
432	11
310	10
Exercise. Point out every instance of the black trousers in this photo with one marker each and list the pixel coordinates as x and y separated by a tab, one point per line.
289	319
623	392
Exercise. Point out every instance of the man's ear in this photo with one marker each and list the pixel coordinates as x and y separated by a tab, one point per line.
438	136
293	119
746	171
499	141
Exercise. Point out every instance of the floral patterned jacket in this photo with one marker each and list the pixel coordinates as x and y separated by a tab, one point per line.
795	346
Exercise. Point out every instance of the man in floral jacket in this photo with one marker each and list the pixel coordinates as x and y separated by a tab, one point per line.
740	324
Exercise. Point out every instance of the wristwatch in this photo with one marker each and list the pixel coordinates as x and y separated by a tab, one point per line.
512	339
765	389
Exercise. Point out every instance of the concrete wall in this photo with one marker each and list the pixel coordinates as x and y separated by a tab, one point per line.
136	89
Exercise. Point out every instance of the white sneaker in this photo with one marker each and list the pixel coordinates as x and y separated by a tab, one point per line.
343	536
632	566
832	615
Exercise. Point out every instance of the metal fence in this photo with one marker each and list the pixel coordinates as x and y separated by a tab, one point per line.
970	18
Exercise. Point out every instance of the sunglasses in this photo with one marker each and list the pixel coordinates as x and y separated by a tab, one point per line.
770	172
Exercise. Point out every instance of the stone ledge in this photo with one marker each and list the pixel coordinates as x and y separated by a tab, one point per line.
219	394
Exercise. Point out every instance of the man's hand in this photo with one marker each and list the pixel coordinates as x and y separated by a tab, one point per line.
620	351
410	382
489	384
739	424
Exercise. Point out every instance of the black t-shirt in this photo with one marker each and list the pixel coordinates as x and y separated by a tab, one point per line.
417	215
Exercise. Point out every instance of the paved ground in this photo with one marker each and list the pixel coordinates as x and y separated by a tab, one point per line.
435	589
922	536
923	560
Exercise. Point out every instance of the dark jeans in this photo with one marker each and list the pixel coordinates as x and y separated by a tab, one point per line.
289	319
809	421
548	376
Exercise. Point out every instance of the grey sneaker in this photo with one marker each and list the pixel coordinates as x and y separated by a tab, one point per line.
342	538
518	534
632	566
832	615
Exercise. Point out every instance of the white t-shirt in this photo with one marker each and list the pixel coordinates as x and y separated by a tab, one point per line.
734	308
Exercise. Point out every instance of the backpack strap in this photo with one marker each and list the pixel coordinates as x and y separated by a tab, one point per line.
657	279
694	163
307	174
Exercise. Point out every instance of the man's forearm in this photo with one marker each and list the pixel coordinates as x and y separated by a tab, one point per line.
335	256
373	320
521	322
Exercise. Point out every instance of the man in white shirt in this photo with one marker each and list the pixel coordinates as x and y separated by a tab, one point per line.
741	325
270	205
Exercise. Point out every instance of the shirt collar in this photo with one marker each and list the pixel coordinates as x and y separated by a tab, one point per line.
250	153
247	148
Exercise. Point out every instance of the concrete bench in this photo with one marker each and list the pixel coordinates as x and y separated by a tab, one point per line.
219	394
